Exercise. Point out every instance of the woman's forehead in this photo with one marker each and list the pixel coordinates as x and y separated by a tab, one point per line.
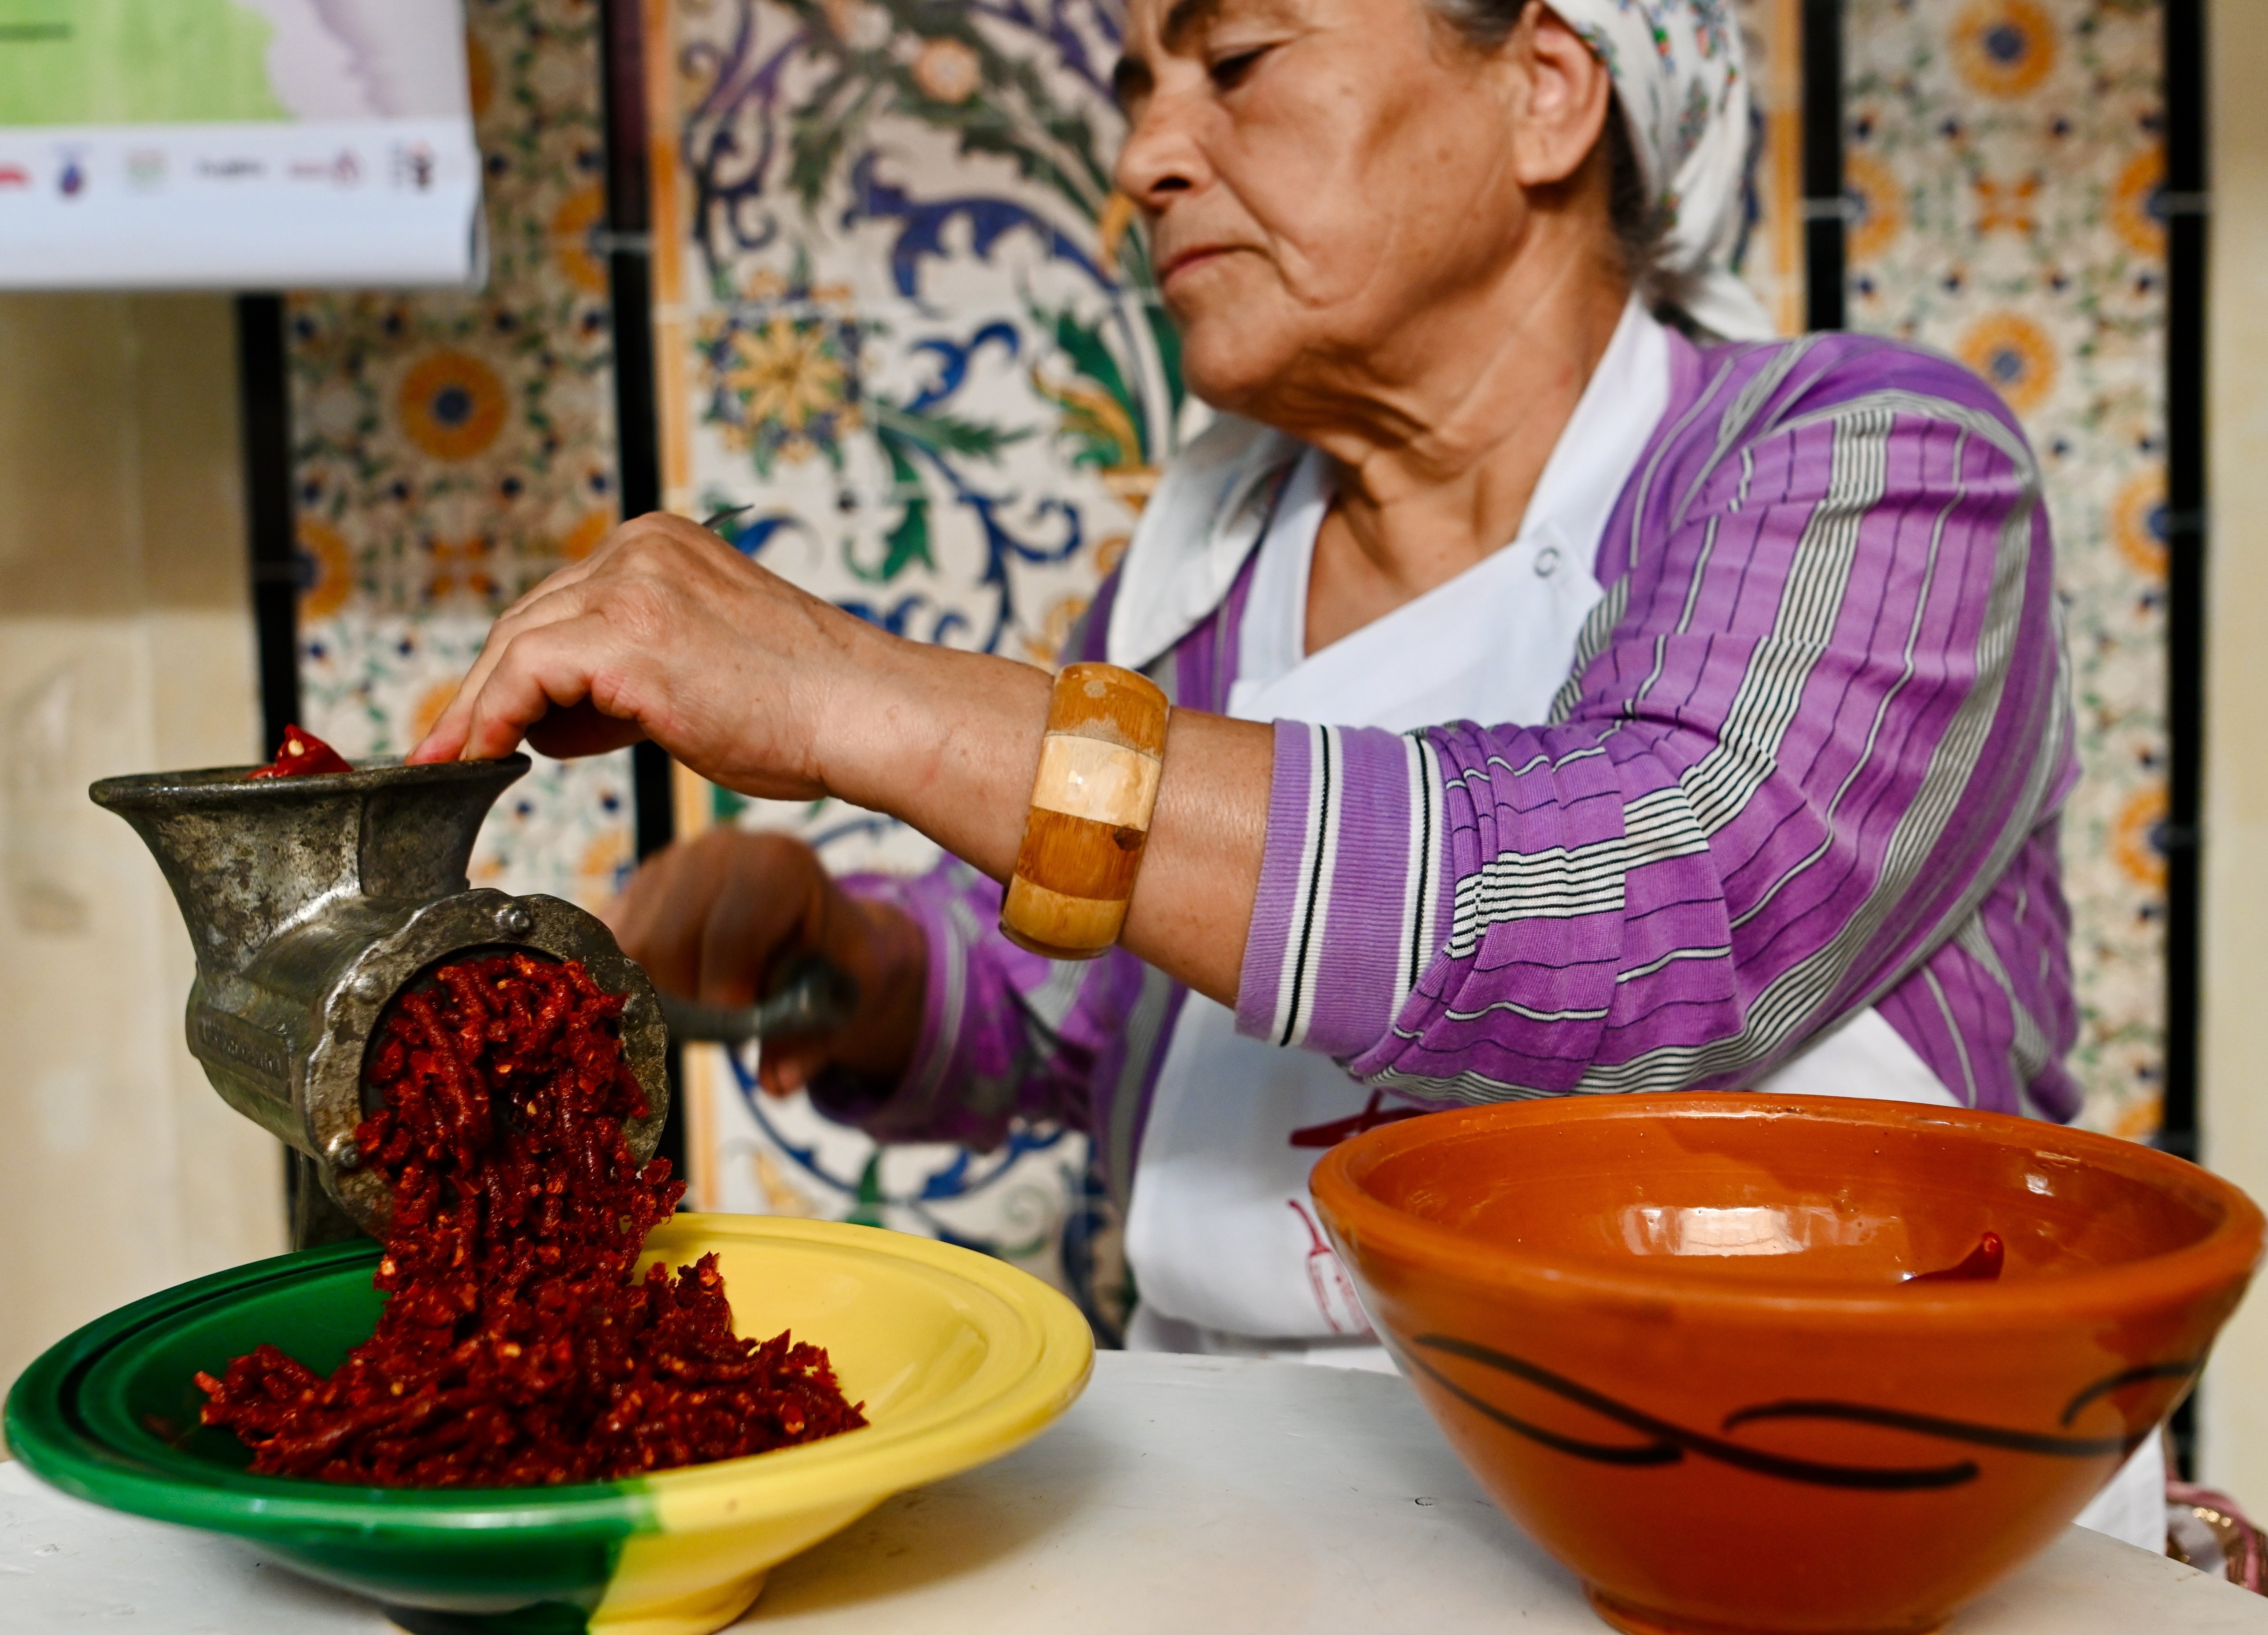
1179	25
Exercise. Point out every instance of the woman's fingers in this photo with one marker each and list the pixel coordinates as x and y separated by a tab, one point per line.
739	934
787	1065
550	603
563	595
658	922
584	729
708	917
567	661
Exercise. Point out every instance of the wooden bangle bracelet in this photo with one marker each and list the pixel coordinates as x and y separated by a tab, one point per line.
1090	814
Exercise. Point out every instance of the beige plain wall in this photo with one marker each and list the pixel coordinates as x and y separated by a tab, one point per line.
126	644
2234	1092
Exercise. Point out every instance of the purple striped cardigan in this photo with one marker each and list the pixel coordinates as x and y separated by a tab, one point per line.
1809	758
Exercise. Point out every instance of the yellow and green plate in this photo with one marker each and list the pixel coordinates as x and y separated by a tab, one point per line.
958	1358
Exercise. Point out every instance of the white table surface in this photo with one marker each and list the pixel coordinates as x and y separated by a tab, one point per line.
1182	1493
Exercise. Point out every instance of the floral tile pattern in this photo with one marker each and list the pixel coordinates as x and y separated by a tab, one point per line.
2006	168
450	450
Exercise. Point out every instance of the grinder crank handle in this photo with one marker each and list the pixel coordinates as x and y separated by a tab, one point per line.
815	995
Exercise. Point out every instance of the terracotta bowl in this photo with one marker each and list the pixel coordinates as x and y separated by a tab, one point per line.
1671	1336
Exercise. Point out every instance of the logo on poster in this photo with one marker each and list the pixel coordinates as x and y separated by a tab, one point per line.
343	170
145	169
14	177
413	166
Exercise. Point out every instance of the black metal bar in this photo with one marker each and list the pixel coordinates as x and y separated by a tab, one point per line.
2188	224
1824	209
263	391
638	425
630	265
2188	183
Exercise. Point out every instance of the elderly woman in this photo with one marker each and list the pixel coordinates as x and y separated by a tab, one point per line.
1566	698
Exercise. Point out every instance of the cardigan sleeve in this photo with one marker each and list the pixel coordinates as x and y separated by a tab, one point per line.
1818	715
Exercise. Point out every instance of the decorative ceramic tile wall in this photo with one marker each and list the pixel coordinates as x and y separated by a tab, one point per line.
2005	164
913	332
907	323
452	450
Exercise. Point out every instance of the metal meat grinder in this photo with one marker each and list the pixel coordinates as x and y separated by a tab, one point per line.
312	902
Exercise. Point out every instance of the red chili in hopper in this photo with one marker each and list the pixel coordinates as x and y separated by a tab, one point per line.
303	755
516	1348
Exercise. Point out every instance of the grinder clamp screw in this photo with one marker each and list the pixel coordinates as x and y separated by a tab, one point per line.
343	1154
514	920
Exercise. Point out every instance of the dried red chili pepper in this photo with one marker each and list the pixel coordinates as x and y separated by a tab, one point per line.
516	1348
303	755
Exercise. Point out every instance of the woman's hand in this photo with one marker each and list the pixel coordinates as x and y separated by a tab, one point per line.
666	632
713	918
663	632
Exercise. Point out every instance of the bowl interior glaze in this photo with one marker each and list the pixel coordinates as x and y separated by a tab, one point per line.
1793	1200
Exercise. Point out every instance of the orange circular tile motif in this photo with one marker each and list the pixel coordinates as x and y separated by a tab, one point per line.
948	71
427	709
581	540
2138	203
480	75
572	226
2014	354
1109	551
332	567
1876	202
605	861
1047	644
2135	841
452	404
2004	48
2139	522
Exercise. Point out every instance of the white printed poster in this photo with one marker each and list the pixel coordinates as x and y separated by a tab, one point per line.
236	144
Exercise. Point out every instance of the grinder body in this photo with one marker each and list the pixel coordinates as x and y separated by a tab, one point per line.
312	903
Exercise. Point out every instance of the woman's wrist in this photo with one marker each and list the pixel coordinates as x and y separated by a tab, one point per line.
943	741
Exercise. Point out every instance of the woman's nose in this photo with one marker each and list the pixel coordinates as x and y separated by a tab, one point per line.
1160	159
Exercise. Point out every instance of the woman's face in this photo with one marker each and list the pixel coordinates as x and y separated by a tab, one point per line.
1329	182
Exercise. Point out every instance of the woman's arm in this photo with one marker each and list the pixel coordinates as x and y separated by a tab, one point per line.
1819	721
666	632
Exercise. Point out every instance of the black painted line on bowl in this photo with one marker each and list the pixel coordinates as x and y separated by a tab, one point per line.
1931	1424
1671	1441
2131	1376
1678	1438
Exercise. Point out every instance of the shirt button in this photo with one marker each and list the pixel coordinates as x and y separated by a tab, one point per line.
1547	561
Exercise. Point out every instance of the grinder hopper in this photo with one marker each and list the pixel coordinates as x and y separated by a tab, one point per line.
312	902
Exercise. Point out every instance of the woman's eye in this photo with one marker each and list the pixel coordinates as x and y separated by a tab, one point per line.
1230	71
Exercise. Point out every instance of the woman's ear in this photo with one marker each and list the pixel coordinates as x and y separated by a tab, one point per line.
1562	107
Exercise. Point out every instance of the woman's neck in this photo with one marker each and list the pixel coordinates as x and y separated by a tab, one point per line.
1434	470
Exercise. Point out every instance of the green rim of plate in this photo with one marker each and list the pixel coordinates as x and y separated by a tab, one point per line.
67	1420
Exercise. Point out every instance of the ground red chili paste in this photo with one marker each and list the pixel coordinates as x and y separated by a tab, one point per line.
516	1348
303	754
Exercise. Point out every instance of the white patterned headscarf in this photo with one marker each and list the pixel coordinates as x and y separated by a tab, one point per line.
1678	69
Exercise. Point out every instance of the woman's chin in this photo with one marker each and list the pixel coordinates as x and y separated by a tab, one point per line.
1228	371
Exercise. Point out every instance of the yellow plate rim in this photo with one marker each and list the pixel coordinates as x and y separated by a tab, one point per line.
1022	1386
